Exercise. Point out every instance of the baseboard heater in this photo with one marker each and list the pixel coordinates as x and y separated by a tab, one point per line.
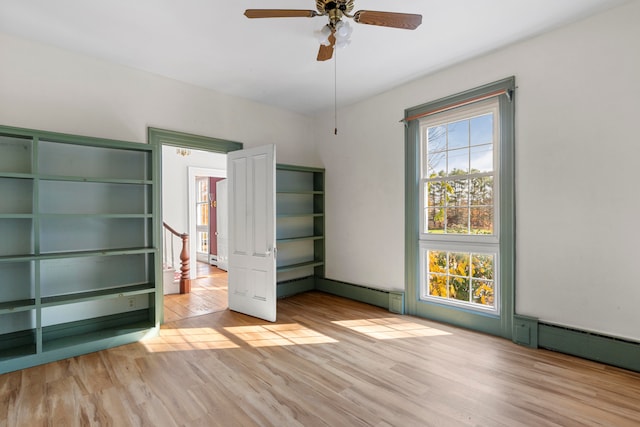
590	345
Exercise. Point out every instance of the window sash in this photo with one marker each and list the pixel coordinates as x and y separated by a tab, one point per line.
465	112
479	249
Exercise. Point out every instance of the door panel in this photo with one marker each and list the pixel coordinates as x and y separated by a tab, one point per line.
252	264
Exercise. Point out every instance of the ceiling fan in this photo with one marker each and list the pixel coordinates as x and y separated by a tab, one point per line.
337	31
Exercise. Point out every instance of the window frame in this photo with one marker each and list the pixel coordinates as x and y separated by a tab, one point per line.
501	322
460	242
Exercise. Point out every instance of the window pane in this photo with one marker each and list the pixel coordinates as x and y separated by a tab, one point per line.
483	292
459	264
436	139
461	276
438	285
434	210
481	130
203	214
458	134
482	266
457	220
436	151
458	161
437	261
481	158
203	189
458	192
481	221
481	191
459	288
203	241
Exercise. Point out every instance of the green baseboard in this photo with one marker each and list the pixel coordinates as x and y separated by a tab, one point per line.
295	286
389	299
600	348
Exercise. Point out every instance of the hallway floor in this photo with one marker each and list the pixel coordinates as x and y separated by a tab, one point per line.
208	295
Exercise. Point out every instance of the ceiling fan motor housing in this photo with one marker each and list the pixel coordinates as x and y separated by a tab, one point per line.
335	9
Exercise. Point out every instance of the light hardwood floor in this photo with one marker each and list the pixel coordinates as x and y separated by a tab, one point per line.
208	295
327	361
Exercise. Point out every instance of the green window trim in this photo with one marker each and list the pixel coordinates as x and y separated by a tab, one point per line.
501	325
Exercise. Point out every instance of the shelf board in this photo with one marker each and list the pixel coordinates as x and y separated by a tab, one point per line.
16	352
16	216
97	180
80	254
17	258
299	239
300	215
299	266
17	306
19	175
87	340
99	294
300	193
75	254
95	215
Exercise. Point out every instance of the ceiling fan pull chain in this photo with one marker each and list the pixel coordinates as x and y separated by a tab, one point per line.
335	92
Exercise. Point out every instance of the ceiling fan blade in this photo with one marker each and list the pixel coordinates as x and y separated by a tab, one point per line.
407	21
279	13
326	52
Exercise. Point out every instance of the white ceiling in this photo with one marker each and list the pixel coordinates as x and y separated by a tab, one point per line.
211	44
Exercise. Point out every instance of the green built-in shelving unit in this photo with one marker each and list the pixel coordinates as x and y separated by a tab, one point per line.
299	228
78	245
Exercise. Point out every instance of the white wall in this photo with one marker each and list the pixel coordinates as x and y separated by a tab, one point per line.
46	88
577	152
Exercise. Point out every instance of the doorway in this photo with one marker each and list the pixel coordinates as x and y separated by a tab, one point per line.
209	284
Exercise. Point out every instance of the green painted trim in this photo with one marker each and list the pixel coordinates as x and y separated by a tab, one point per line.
296	168
156	138
70	139
525	331
159	137
82	337
501	325
295	286
601	348
377	297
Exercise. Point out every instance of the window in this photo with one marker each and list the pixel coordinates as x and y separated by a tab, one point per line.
460	209
459	184
202	212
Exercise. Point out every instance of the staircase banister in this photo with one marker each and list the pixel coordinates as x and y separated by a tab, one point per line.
173	231
185	282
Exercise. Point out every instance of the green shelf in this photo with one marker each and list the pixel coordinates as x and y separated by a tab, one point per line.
299	266
299	239
17	306
118	292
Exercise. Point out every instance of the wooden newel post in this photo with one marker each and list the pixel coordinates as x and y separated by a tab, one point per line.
185	282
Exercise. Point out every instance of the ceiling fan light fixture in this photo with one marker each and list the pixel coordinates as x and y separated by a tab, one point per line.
323	35
343	30
343	34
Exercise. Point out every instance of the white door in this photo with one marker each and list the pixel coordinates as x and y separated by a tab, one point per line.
222	219
252	261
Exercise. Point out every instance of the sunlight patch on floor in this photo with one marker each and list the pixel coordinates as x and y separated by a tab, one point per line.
182	339
390	328
278	335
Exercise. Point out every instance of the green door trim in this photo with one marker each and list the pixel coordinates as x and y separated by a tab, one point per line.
157	138
501	325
